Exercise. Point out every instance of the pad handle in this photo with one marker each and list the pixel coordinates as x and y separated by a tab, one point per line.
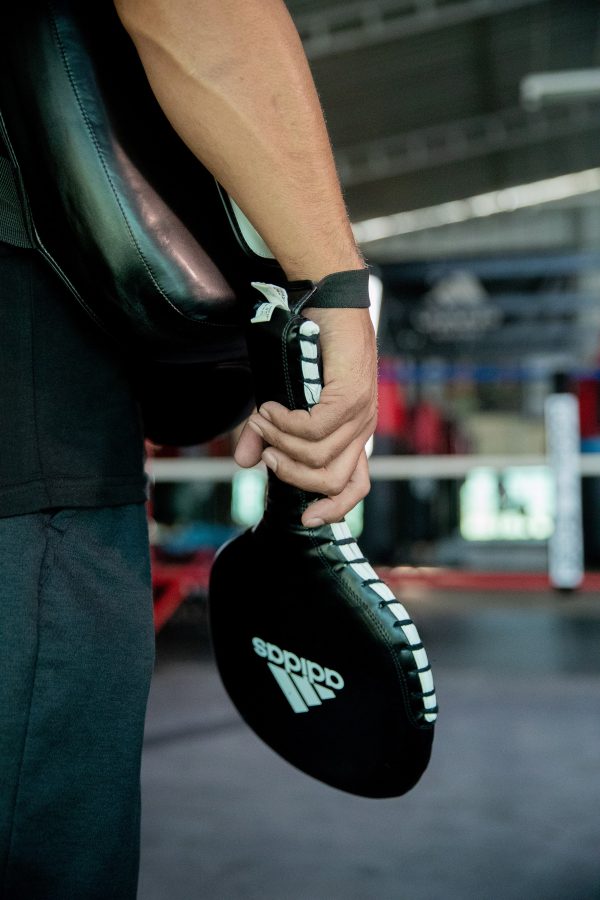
285	358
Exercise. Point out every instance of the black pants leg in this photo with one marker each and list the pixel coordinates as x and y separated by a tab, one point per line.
76	658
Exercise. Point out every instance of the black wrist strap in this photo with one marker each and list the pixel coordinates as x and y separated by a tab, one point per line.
342	290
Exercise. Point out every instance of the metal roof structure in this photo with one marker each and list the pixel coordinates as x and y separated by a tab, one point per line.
425	101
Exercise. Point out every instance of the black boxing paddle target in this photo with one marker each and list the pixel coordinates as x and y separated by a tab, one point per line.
144	237
316	652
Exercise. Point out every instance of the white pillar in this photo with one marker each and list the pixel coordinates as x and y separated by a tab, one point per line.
565	547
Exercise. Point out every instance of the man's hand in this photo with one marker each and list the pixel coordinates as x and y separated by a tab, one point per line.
322	451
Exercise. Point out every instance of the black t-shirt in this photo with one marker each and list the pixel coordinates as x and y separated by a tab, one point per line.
70	428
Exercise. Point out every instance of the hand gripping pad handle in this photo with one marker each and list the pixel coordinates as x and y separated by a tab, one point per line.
315	651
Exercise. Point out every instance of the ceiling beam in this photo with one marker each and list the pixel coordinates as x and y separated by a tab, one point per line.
464	139
548	229
479	206
361	23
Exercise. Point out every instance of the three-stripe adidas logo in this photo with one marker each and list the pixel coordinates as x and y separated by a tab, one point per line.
304	683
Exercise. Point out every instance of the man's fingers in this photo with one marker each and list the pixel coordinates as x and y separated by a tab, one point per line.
332	509
306	437
249	448
313	453
328	480
319	423
334	410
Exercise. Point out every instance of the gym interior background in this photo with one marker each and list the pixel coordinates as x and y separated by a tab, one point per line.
467	138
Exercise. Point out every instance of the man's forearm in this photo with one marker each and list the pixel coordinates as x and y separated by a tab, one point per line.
233	79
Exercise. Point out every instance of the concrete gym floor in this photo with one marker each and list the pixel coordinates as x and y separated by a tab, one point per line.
509	808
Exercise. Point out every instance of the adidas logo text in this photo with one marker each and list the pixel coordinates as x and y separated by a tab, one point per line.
303	682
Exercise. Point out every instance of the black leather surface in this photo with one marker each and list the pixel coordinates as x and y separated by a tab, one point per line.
291	587
127	213
138	229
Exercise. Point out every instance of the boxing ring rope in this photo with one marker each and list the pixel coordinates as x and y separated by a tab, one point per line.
175	582
381	468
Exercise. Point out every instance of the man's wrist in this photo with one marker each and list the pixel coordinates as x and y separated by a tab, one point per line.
318	268
347	289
